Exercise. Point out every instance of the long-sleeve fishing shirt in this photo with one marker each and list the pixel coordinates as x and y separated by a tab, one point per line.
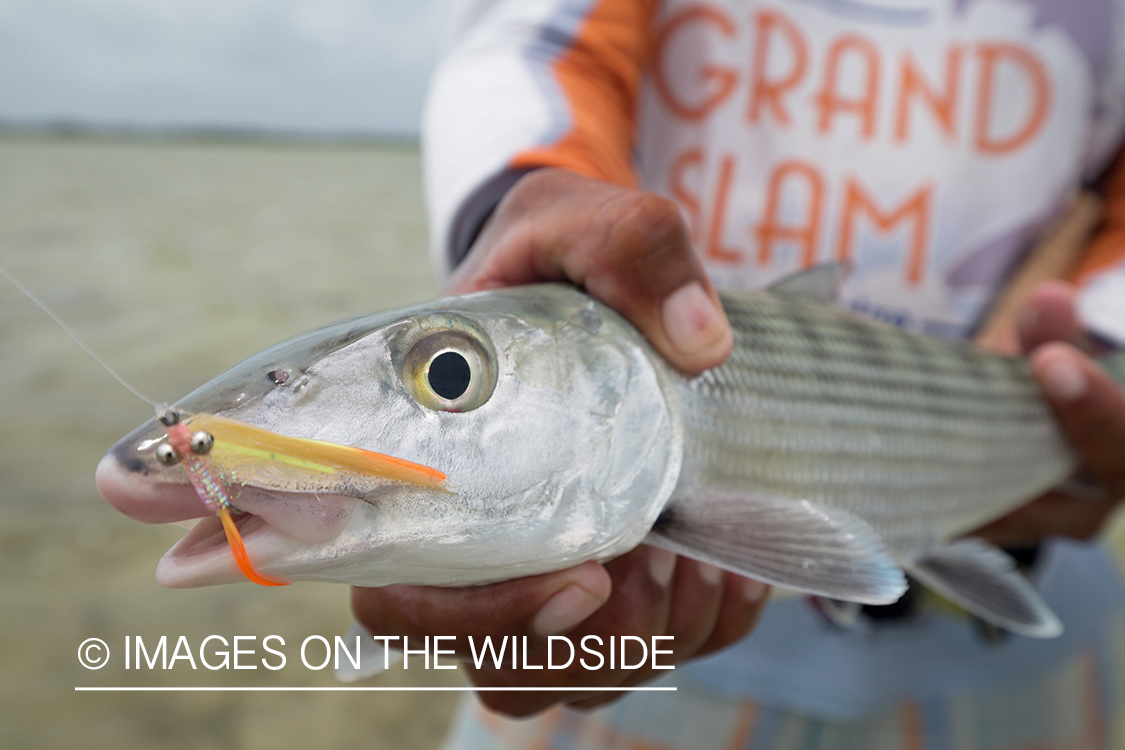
928	142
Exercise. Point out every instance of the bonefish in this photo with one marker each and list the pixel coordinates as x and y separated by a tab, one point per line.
828	455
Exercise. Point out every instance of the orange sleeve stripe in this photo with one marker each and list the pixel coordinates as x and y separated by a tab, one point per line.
1106	248
599	75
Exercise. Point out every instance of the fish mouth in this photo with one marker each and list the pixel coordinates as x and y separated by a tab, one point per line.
272	523
303	490
203	556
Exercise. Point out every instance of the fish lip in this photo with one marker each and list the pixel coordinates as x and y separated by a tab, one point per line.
310	519
202	556
127	485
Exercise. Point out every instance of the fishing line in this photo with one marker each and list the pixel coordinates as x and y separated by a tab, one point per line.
210	490
77	339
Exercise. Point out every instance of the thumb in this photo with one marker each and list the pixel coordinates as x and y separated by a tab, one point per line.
648	271
629	248
1089	404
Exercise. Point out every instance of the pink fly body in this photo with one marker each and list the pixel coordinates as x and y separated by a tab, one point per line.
203	479
211	492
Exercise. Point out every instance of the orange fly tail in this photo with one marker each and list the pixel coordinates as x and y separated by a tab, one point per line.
240	556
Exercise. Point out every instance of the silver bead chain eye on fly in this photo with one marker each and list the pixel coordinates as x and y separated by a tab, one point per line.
167	455
202	442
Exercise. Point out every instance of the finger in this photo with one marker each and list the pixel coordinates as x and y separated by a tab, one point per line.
742	606
697	598
1050	315
649	272
1089	406
628	248
638	606
538	606
1054	513
742	603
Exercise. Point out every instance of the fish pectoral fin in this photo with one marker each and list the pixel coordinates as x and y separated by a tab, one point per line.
984	581
820	283
791	543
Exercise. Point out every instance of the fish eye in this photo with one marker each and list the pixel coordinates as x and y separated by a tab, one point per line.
449	375
450	370
277	377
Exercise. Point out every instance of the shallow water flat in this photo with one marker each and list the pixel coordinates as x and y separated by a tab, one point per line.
175	260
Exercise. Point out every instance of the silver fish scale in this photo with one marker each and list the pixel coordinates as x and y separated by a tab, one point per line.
921	438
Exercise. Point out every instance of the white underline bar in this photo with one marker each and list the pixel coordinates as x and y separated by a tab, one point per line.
373	689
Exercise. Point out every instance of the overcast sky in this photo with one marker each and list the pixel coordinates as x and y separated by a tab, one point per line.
306	65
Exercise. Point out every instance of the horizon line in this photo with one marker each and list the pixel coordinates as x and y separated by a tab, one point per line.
339	689
67	128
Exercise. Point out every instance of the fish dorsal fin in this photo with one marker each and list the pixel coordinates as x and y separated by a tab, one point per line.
785	542
820	283
984	581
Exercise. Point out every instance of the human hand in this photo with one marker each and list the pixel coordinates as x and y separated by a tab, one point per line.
1089	406
630	249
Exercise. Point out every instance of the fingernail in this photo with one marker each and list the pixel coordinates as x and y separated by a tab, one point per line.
1062	378
661	565
692	322
564	610
710	574
753	590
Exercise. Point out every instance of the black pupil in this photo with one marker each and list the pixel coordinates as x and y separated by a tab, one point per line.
449	375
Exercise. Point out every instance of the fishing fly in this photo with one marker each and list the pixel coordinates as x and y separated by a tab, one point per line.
212	448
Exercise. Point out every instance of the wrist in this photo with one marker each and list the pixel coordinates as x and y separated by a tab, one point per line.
476	210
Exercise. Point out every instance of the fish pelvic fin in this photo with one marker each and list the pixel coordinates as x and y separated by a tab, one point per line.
791	543
984	581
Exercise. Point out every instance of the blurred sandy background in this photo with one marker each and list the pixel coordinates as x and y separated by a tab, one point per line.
175	259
